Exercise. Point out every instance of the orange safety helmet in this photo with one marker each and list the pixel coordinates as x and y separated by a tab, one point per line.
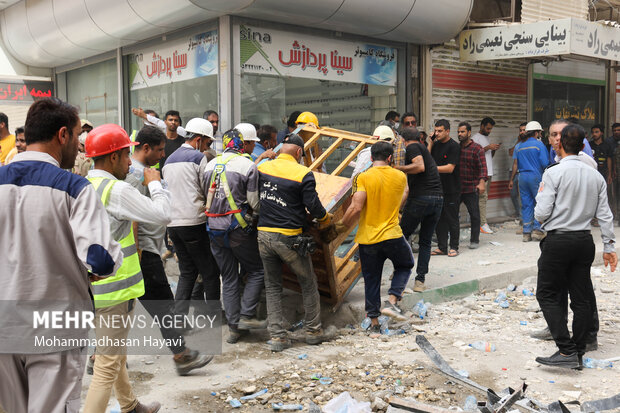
106	139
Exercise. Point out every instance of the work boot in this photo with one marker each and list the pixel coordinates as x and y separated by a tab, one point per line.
527	236
538	235
279	343
246	323
473	245
543	334
418	286
569	361
188	361
235	334
317	337
151	408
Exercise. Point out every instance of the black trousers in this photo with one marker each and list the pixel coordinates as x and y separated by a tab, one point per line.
564	267
158	299
448	223
194	252
471	203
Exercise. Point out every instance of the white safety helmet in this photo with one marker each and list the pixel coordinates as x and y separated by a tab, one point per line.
383	133
533	126
248	131
199	126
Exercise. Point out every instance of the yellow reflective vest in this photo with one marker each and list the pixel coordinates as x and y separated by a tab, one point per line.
127	283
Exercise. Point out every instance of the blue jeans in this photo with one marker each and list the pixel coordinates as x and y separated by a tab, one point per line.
424	211
528	188
372	258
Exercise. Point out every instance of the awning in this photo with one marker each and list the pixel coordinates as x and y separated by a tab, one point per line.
546	38
50	33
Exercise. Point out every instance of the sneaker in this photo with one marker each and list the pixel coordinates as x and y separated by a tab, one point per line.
473	245
314	337
246	323
373	330
538	235
527	236
278	344
234	335
419	286
543	334
392	310
592	346
486	229
191	360
570	361
143	408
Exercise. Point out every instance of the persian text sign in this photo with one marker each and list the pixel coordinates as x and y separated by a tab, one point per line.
185	59
520	40
273	52
545	38
25	91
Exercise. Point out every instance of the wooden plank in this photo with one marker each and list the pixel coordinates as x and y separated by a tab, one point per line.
347	257
349	158
326	153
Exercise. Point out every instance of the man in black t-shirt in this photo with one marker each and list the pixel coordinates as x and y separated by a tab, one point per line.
603	153
425	199
446	153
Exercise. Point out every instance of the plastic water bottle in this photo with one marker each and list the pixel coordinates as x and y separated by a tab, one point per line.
527	292
420	309
173	287
139	173
597	364
511	287
471	403
116	407
504	304
483	346
500	297
280	406
383	319
235	404
365	323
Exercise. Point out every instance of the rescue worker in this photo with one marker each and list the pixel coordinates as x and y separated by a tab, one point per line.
184	171
115	297
570	195
530	159
286	190
250	139
59	215
158	299
232	179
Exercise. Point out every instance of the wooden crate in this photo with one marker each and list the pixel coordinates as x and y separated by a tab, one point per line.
336	275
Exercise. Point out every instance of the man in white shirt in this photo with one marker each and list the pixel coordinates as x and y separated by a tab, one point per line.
482	139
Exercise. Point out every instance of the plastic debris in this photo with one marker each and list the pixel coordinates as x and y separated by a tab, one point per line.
523	323
527	292
463	373
497	244
345	403
213	393
254	395
297	326
235	404
483	346
511	287
280	406
504	304
597	364
302	356
365	323
316	376
500	297
471	403
420	309
326	380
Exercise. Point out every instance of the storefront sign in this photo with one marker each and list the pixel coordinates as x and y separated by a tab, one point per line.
186	59
273	52
25	92
545	38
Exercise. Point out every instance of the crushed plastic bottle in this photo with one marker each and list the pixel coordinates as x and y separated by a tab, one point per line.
326	380
302	356
280	406
420	309
471	404
511	287
254	395
527	292
383	319
396	332
504	304
365	323
235	404
523	323
500	297
597	364
483	346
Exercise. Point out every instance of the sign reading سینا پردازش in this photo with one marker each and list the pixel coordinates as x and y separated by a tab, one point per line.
279	53
175	61
545	38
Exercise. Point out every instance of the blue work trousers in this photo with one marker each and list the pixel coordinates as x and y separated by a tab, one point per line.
528	188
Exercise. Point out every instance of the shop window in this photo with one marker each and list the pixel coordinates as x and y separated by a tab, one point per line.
94	91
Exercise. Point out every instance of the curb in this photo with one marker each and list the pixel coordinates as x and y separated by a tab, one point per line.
466	288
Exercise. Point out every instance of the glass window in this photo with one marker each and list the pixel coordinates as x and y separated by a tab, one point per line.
94	90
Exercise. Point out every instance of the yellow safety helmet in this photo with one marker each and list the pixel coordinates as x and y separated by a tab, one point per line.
308	117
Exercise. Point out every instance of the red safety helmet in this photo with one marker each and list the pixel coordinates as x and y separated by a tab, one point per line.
106	139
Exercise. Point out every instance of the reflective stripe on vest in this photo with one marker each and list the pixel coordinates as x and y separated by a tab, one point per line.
127	283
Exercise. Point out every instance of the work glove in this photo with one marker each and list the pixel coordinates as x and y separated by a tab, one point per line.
340	227
326	221
328	234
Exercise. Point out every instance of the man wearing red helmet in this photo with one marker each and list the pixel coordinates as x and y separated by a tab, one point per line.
115	297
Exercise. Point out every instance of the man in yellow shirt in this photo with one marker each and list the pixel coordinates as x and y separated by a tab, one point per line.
7	141
378	194
20	145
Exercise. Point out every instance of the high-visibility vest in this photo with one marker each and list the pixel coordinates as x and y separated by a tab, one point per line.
127	283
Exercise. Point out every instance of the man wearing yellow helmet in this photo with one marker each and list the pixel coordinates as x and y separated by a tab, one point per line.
308	118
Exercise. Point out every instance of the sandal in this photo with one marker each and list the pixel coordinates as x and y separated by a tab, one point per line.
453	253
437	252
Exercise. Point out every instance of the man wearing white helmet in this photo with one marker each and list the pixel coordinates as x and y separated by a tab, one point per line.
363	161
530	159
184	171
